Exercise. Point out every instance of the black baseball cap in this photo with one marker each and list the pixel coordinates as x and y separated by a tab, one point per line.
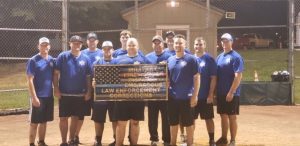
92	35
76	38
170	33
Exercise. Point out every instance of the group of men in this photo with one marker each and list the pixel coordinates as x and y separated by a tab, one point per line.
194	81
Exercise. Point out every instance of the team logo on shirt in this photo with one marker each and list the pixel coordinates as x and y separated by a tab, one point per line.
202	64
81	63
228	60
97	58
51	64
183	63
136	62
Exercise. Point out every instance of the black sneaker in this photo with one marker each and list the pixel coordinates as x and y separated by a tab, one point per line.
222	140
97	143
31	144
76	140
64	144
72	143
212	143
112	144
42	143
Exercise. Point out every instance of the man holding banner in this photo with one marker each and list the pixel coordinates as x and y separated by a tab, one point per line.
184	87
129	110
158	56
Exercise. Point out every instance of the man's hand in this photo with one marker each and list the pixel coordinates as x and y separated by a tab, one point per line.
94	83
87	96
210	99
57	93
194	101
229	96
36	102
163	62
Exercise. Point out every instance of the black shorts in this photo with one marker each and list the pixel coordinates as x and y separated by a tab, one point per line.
126	110
44	113
206	111
87	107
100	109
180	111
71	106
229	108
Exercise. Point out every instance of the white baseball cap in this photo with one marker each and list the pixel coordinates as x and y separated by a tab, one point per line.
227	36
107	44
44	40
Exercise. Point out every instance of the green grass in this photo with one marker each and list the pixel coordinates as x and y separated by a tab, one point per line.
264	61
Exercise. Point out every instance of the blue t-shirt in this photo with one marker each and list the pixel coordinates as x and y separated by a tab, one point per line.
172	52
156	59
42	71
125	59
120	52
181	76
93	55
73	73
207	68
228	64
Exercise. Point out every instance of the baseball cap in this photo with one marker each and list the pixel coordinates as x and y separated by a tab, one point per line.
170	33
107	44
157	37
227	36
92	35
44	40
76	38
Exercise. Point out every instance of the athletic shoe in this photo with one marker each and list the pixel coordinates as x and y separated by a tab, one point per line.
154	143
97	144
183	138
42	143
232	143
72	143
112	144
222	141
64	144
212	143
32	144
76	140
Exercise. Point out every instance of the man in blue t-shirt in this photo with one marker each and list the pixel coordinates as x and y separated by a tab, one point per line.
170	43
72	86
129	110
229	75
39	72
184	87
158	56
124	36
208	81
100	108
94	54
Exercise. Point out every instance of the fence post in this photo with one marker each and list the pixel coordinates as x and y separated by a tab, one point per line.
65	24
291	47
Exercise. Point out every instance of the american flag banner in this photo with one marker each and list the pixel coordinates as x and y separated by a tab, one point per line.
131	82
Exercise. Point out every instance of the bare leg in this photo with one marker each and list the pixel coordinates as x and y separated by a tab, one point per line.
32	132
79	125
120	132
233	126
190	135
42	131
224	125
134	132
63	126
73	127
173	131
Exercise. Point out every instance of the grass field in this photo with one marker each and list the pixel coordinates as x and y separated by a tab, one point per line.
264	61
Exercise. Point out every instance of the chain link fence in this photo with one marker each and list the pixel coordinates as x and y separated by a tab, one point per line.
22	23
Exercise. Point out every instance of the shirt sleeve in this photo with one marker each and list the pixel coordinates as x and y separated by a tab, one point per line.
238	65
59	62
212	67
30	67
195	66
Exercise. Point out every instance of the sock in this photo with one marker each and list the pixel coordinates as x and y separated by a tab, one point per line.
99	139
211	136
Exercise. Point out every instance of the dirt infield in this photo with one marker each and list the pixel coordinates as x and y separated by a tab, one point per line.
258	126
